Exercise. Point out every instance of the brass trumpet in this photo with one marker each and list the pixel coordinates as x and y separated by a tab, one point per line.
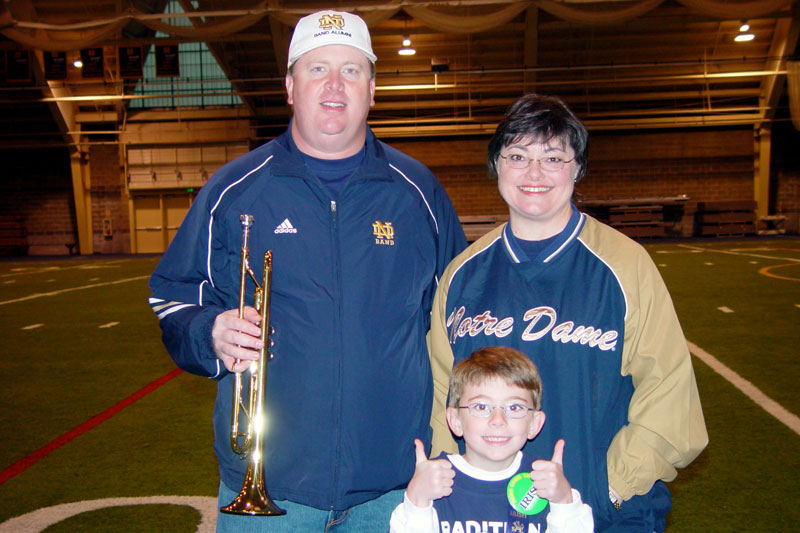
253	498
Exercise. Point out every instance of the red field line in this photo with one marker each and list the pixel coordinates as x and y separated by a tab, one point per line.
29	460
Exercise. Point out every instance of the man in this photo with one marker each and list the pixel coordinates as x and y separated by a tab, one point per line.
359	234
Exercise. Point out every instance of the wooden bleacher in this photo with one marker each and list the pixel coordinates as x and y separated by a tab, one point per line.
475	226
639	218
726	219
638	221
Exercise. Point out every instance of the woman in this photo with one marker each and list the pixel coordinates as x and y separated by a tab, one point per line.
589	307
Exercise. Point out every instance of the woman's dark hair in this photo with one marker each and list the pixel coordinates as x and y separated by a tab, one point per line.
541	118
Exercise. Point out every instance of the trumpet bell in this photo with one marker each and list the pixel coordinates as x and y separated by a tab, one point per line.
253	499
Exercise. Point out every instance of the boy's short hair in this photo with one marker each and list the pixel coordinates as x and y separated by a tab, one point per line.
508	364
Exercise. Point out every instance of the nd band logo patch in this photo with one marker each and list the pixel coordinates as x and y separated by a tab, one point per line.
384	233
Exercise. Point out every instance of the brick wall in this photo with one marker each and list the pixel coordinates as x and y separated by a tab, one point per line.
705	165
109	202
461	167
788	185
37	185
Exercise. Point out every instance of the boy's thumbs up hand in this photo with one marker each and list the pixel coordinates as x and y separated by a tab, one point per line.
433	479
548	477
558	452
419	451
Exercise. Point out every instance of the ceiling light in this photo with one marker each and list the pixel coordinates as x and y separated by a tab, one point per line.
77	63
406	50
743	35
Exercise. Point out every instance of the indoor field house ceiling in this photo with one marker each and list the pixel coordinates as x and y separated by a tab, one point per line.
622	65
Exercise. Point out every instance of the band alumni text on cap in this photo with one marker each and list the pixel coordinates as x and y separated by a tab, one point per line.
329	27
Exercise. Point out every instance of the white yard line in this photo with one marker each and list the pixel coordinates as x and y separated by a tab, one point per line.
750	390
678	251
62	291
83	266
733	252
41	519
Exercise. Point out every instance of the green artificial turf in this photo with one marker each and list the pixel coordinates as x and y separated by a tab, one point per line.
759	340
172	518
71	368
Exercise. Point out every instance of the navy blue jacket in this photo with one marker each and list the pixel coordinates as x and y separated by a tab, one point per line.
353	281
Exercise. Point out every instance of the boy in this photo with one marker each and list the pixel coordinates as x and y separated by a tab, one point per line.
495	395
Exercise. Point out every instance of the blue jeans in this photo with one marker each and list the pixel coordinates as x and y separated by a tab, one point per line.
370	517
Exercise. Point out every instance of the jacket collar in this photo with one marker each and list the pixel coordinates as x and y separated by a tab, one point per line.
288	160
567	235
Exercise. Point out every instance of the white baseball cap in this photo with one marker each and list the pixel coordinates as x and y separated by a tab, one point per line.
329	27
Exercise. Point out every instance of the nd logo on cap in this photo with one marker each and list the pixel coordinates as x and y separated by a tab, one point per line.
328	22
329	27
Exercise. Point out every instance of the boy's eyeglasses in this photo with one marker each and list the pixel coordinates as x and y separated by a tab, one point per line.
547	163
485	410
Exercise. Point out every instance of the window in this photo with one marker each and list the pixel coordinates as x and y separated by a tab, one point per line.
201	83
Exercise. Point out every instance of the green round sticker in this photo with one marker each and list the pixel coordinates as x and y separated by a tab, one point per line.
522	496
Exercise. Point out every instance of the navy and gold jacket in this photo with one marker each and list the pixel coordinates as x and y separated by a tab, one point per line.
353	281
593	313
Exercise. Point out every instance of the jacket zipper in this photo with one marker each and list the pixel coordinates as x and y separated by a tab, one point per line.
337	425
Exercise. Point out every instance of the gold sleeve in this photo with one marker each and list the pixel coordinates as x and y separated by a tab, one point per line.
666	429
441	356
439	350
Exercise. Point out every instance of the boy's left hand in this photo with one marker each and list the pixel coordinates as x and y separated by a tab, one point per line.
548	477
